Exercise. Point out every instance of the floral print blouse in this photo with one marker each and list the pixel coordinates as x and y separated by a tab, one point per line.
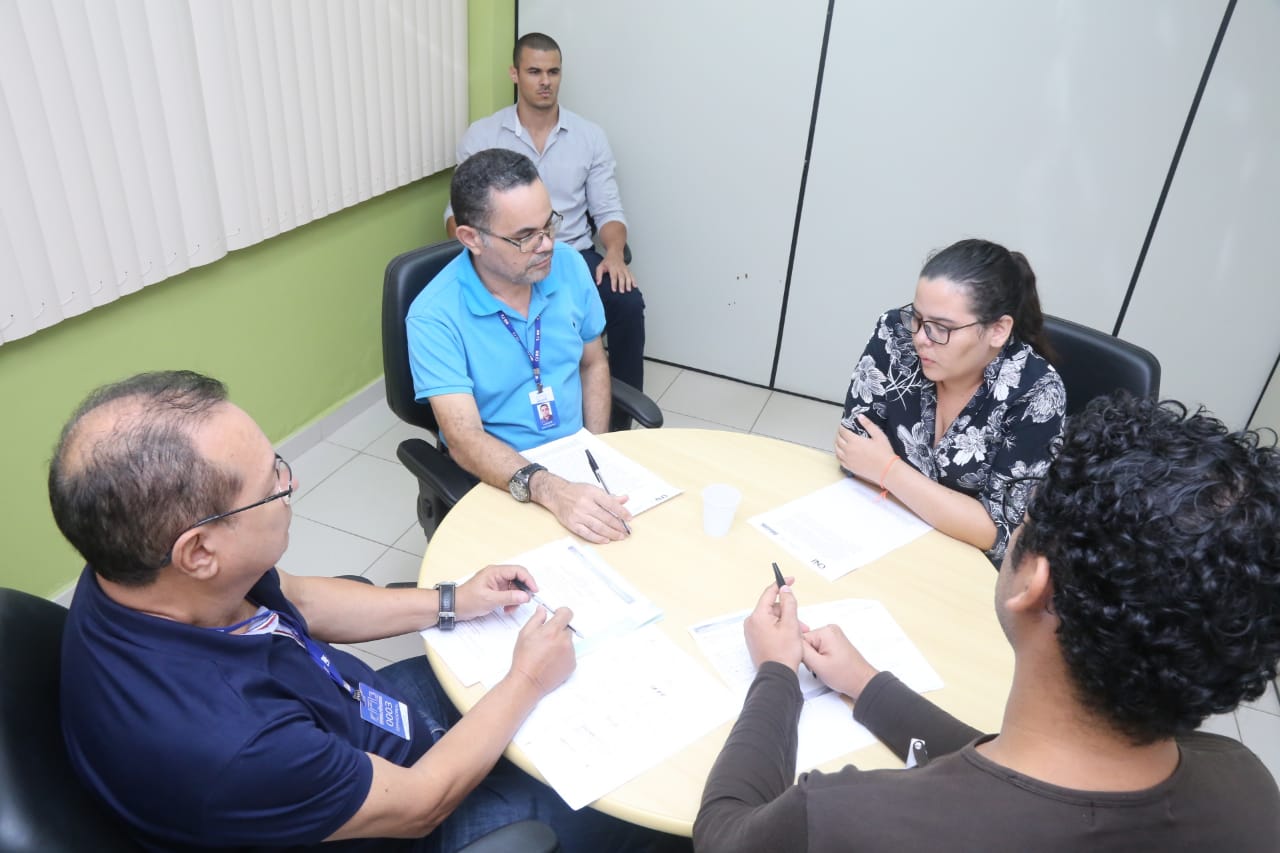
996	447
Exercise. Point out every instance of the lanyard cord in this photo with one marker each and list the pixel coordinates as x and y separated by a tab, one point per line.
535	357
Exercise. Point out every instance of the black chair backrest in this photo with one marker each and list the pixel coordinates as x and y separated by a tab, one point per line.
1094	363
43	805
406	276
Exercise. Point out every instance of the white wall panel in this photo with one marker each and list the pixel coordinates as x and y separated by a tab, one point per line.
1046	127
707	108
1208	300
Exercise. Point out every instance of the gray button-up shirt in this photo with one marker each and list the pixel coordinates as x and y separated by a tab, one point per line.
576	165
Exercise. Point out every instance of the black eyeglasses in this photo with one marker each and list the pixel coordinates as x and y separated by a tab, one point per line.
935	332
528	243
284	474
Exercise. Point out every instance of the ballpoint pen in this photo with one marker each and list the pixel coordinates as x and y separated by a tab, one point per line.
777	576
595	469
524	587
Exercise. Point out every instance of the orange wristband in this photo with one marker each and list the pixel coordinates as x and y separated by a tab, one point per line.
884	491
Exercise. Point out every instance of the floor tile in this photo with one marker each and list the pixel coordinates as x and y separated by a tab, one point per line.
374	661
311	468
1267	702
658	378
361	431
711	398
384	446
1261	733
798	420
1222	724
414	541
678	421
319	550
369	497
394	567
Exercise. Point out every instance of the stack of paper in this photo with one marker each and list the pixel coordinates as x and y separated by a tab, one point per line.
826	728
569	574
840	527
634	699
567	458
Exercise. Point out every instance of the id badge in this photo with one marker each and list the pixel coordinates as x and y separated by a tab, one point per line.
388	714
545	414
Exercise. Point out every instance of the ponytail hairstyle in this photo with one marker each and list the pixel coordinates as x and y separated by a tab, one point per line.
999	282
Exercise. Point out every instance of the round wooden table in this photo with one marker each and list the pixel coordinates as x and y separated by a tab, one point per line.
938	589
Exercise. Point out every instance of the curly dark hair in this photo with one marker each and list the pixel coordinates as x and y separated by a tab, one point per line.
1162	534
122	492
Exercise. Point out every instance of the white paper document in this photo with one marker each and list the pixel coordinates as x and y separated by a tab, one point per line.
840	527
569	574
627	707
566	457
826	726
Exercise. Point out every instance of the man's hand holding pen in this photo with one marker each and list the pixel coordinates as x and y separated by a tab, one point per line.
773	630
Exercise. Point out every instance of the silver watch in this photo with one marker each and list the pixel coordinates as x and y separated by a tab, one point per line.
518	485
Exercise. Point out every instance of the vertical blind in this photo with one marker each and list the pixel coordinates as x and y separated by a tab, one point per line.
140	138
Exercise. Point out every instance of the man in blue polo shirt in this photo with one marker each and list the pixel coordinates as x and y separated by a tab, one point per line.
505	343
201	699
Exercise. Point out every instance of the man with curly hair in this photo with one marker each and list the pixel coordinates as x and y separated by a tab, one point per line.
1140	595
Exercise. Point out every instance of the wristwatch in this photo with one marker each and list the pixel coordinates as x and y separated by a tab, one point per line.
519	483
445	614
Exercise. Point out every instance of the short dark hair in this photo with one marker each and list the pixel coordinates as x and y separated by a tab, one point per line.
481	175
122	495
999	282
533	41
1162	534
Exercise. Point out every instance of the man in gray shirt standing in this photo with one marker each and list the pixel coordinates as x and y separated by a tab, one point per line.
576	165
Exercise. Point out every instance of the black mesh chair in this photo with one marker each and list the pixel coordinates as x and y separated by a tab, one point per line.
43	806
441	482
1094	363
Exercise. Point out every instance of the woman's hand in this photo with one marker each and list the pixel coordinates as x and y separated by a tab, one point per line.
864	456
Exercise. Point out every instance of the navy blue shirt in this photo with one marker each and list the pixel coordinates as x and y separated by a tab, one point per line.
211	740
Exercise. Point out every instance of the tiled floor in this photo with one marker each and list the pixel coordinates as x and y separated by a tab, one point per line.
354	513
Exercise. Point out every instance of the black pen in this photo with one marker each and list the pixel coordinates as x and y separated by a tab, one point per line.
595	469
524	587
781	581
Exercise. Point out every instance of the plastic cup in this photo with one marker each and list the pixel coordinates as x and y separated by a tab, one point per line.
719	503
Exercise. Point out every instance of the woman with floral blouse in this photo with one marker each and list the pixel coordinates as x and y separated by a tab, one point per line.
954	407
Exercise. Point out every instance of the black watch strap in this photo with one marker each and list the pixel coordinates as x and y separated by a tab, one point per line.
445	613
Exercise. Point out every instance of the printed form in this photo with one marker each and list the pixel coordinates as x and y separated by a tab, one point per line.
840	527
634	699
569	574
827	729
567	457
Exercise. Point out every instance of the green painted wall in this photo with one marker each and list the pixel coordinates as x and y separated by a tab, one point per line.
291	325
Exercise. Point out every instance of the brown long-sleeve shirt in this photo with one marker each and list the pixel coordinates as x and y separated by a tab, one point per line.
1220	797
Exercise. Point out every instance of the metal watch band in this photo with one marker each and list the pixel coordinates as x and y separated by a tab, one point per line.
445	614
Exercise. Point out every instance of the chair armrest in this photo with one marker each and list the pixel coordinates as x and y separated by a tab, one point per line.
526	836
633	401
438	472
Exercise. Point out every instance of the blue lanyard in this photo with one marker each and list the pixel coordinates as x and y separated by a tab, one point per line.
318	655
535	357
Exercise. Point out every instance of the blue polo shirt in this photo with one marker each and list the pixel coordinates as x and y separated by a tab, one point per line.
201	739
459	345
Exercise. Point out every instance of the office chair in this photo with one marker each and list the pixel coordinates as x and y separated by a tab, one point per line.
441	482
43	806
1094	363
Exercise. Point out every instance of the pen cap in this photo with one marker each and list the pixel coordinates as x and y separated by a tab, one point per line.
719	504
